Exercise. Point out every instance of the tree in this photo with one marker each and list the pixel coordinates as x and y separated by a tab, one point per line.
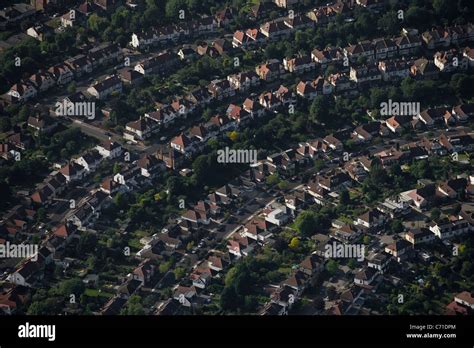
332	267
294	243
71	286
133	307
173	8
352	264
396	226
366	240
305	223
435	214
319	110
344	198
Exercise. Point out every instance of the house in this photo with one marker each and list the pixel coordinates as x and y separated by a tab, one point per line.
218	262
468	53
182	143
365	74
90	160
363	49
185	294
299	64
329	55
259	229
365	276
41	124
408	44
399	249
71	18
221	89
130	76
73	171
160	63
397	123
137	130
80	65
66	232
21	141
109	149
384	48
394	69
61	73
311	265
298	22
379	261
311	89
285	3
274	30
144	272
186	53
110	186
437	37
269	101
345	233
43	80
297	281
418	236
463	112
221	46
104	54
456	142
453	188
449	227
450	60
240	246
420	198
13	298
466	299
277	214
269	71
423	68
150	166
224	17
341	83
253	107
110	86
394	207
244	80
27	274
23	90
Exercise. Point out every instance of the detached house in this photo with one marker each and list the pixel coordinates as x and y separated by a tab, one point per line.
73	171
90	160
109	149
137	130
